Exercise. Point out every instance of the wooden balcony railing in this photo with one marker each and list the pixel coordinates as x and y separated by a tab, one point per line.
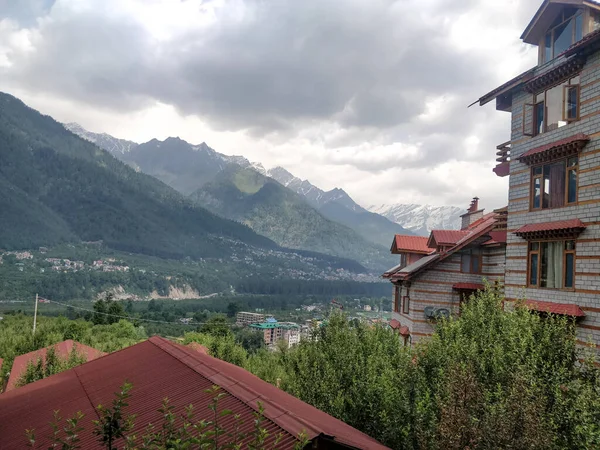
503	158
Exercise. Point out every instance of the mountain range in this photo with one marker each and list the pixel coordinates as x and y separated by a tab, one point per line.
197	164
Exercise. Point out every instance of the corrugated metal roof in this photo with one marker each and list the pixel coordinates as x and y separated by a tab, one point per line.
414	244
565	309
550	226
579	137
63	349
159	368
447	237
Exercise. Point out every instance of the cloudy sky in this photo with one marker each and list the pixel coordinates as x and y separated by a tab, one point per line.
367	95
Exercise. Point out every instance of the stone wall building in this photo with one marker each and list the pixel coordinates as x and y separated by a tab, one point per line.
437	274
553	164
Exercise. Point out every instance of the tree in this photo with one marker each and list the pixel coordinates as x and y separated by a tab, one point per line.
232	309
129	307
49	365
100	310
217	326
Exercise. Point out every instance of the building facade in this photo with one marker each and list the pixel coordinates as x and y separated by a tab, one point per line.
446	269
553	164
244	318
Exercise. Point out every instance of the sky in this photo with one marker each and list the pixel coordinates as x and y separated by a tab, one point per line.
366	95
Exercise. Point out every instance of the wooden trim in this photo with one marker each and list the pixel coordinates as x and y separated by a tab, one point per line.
589	186
520	199
588	257
415	333
434	302
588	240
423	291
591	83
590	309
421	321
588	327
445	270
518	257
531	114
590	100
515	244
591	169
515	271
587	291
519	172
587	274
564	102
520	185
593	152
587	202
587	116
594	135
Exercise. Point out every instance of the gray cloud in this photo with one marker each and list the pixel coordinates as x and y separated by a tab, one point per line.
363	67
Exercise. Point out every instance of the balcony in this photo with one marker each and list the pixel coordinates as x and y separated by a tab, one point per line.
503	159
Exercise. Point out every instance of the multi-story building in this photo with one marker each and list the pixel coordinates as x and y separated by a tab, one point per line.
274	332
553	164
437	274
246	318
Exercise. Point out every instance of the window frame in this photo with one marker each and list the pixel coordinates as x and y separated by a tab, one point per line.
533	107
540	176
396	299
403	260
538	252
472	252
405	304
542	45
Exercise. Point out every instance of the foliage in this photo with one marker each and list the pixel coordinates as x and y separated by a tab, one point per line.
488	379
107	311
284	216
222	347
184	432
17	339
49	365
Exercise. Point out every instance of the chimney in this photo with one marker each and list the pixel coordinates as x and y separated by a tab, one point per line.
473	214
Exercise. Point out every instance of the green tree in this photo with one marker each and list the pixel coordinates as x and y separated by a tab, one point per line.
217	326
232	309
51	364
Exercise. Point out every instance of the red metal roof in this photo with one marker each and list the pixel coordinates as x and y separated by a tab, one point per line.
413	244
502	169
404	331
496	237
395	324
564	309
446	237
198	347
555	146
159	368
63	349
469	286
573	224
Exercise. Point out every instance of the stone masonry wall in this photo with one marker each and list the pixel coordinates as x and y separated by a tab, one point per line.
586	293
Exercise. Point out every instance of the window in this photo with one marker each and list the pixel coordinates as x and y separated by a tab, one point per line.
554	185
406	304
564	32
396	298
551	264
470	261
552	108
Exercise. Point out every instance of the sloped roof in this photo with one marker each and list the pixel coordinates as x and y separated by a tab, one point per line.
560	228
159	368
561	148
468	286
565	309
456	239
446	237
63	349
412	244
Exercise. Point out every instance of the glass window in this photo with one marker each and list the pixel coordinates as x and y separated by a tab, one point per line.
572	165
533	269
536	192
563	37
539	118
548	46
552	264
465	262
554	107
550	190
579	27
571	103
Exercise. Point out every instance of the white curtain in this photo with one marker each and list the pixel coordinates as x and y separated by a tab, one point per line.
555	264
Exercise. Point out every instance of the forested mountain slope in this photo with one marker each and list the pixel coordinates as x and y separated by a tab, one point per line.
274	211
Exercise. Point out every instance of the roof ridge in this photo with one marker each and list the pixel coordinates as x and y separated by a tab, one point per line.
160	342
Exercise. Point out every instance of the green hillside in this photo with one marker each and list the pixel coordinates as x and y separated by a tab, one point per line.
57	187
283	216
